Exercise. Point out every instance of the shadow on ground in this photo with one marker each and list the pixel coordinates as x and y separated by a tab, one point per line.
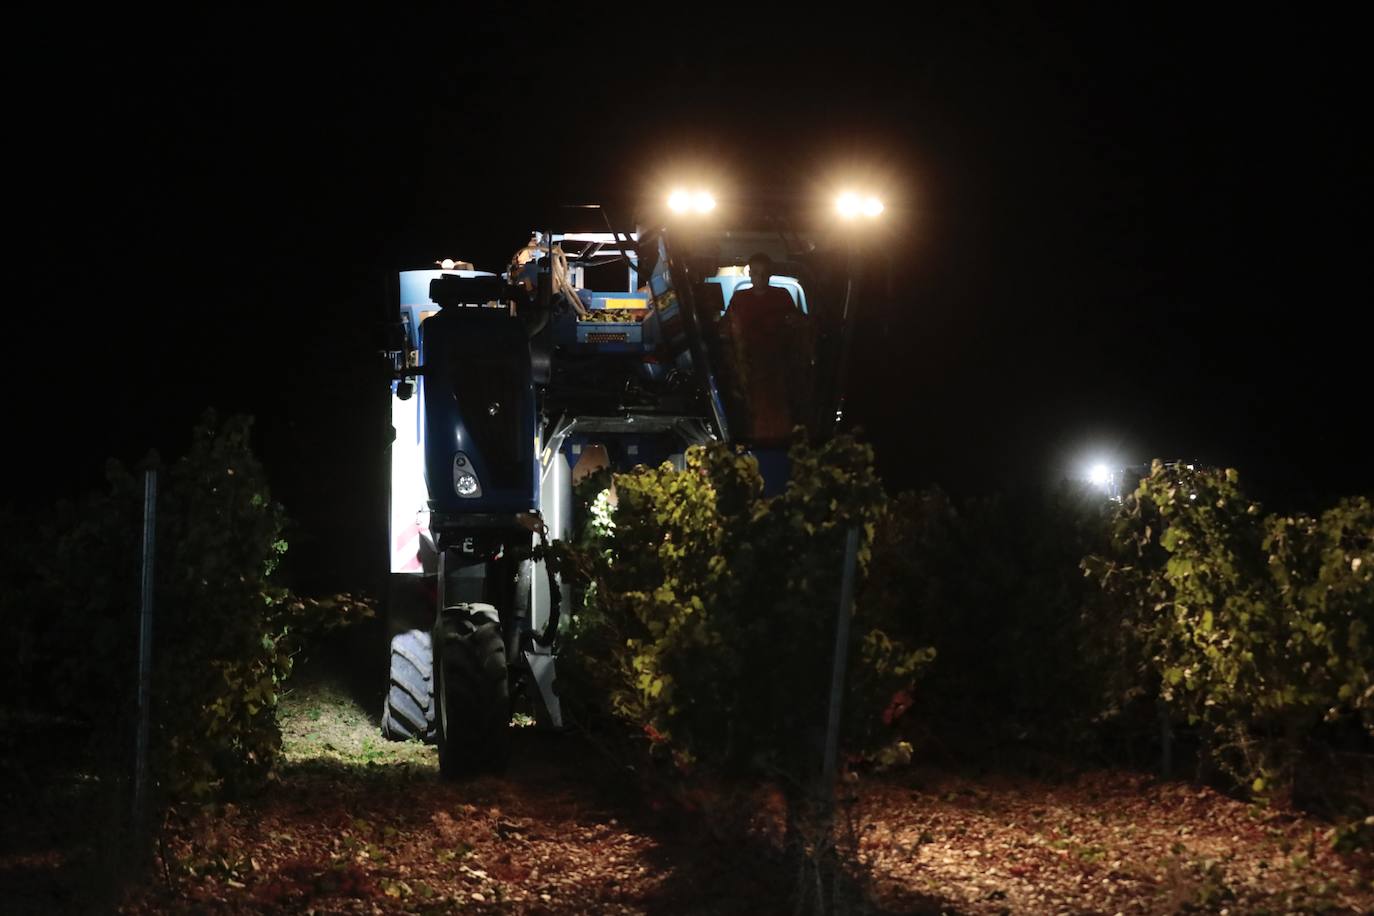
359	824
66	817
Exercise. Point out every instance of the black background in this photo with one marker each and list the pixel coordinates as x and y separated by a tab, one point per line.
1132	233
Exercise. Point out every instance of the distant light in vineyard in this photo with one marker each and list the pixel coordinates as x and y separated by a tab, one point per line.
1104	476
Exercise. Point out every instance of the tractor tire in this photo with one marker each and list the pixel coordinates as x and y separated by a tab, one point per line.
409	711
472	689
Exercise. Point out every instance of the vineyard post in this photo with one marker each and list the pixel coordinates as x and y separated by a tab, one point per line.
145	646
832	729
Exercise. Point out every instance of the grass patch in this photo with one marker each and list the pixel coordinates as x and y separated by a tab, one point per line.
322	724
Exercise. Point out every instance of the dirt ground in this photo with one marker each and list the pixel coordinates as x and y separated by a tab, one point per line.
355	824
1103	842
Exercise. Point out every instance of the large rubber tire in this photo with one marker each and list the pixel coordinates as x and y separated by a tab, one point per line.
473	692
409	711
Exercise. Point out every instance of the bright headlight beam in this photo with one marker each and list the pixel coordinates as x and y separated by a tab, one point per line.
703	202
679	201
872	207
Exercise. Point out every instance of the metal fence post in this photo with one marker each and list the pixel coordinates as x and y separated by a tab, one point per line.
145	646
832	729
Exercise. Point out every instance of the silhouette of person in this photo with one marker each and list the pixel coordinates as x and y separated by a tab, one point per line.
761	308
761	324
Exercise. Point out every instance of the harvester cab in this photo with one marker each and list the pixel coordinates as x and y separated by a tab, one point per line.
592	349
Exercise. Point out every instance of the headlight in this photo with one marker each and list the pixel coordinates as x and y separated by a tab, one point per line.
680	201
684	201
465	482
851	206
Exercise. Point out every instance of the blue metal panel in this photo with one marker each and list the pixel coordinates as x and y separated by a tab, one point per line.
479	401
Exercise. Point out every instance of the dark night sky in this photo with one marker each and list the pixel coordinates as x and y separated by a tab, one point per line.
1136	231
